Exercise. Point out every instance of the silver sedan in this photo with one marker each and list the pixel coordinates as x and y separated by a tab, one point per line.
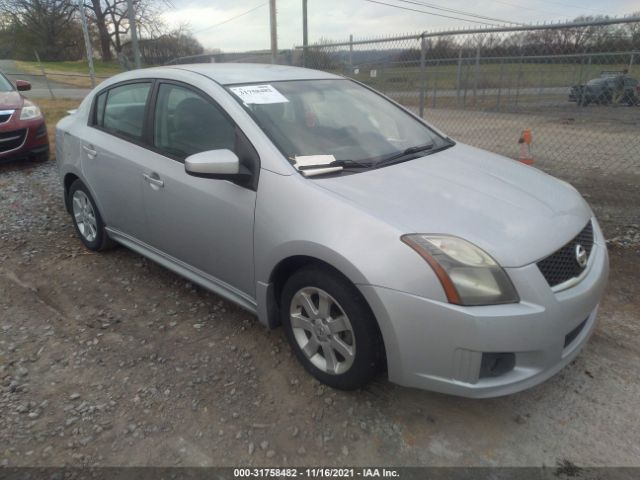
375	240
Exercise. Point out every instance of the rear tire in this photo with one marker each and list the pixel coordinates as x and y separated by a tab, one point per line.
331	329
87	219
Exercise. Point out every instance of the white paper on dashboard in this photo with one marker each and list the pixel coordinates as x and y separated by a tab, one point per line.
258	94
313	160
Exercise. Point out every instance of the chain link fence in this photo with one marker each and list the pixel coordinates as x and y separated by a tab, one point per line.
55	85
574	86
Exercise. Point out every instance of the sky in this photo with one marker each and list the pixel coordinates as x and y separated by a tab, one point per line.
212	22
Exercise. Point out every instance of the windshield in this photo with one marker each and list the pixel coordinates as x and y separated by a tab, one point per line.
333	117
5	85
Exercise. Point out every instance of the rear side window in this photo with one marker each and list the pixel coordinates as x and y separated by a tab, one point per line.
123	108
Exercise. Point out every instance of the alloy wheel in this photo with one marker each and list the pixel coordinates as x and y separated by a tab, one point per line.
84	216
322	330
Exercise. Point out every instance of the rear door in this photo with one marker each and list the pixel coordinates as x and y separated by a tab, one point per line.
113	153
205	223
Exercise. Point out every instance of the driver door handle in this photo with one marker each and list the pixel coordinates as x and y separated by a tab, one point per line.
153	180
91	153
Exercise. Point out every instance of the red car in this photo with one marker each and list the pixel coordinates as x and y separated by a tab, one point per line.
23	132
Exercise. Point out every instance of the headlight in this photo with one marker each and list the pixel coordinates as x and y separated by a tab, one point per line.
30	112
468	275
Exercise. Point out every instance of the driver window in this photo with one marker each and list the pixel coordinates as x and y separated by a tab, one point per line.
187	123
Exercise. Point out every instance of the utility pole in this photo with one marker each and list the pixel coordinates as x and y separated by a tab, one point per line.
134	34
305	33
87	42
274	31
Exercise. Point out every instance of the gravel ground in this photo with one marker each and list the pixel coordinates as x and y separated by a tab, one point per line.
597	149
109	359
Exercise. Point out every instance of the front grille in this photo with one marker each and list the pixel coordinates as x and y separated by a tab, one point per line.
563	265
12	140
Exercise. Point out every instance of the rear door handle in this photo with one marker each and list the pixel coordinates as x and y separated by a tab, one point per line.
153	180
91	153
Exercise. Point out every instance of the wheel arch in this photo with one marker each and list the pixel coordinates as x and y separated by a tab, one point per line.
70	176
67	181
269	292
291	264
287	266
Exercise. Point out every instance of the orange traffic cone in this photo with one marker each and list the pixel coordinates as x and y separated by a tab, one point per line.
525	141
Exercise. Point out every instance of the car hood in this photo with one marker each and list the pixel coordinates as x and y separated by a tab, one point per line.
514	212
10	100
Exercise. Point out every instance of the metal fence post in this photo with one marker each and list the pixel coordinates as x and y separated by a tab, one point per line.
518	78
466	84
87	43
351	53
46	79
584	90
500	80
435	85
458	75
305	33
274	31
134	34
423	73
382	86
476	74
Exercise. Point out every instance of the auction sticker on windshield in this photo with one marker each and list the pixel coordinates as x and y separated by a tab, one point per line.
258	94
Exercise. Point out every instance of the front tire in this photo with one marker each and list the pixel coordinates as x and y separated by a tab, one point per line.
87	219
331	328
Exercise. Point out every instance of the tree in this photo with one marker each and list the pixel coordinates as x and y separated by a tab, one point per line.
111	19
50	27
167	46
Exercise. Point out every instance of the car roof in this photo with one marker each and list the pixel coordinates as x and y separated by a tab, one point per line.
232	73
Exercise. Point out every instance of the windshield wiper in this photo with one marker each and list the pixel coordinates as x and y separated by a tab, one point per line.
406	152
332	167
409	153
350	164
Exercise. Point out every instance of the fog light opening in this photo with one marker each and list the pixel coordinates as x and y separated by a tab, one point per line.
496	364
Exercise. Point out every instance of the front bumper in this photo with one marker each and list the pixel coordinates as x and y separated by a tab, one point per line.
439	346
35	141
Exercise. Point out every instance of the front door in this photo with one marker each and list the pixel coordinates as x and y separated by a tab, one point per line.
204	223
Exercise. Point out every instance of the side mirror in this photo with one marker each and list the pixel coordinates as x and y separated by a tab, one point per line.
23	85
220	164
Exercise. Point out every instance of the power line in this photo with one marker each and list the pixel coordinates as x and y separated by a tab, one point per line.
547	12
574	6
461	12
431	13
232	18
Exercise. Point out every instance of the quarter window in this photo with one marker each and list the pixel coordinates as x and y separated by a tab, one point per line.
124	109
100	102
187	123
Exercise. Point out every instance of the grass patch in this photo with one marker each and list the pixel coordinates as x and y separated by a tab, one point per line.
53	111
74	73
79	67
510	74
